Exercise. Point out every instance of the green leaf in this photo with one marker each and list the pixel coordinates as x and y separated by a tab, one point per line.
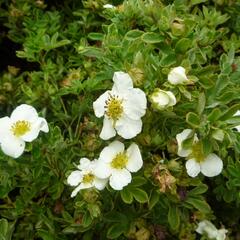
201	103
3	226
183	45
153	200
194	2
139	194
199	204
168	60
133	35
193	119
151	37
206	146
138	181
87	219
174	217
126	196
96	36
230	112
198	190
45	235
214	115
116	230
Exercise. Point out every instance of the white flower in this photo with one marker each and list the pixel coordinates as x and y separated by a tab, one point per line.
207	228
85	177
162	99
210	165
122	108
237	114
23	126
108	6
178	76
117	164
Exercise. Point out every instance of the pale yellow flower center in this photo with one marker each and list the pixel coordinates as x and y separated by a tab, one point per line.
114	108
119	161
197	152
88	178
20	128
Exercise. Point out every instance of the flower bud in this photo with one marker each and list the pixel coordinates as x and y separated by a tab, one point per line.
162	99
178	27
178	76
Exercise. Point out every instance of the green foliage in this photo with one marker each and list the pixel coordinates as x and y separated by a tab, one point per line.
65	55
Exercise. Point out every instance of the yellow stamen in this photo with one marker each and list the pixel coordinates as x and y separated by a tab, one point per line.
114	108
20	127
120	161
197	152
88	178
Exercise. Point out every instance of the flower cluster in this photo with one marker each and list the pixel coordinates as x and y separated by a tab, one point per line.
22	126
122	108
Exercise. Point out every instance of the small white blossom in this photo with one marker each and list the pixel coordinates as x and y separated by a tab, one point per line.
178	76
122	108
207	228
108	6
210	165
85	177
117	164
22	126
162	99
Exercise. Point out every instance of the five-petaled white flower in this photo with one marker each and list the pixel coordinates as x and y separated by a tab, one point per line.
85	177
207	228
122	108
23	126
117	164
162	99
210	165
178	76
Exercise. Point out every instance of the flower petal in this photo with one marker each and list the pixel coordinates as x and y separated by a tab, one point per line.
102	170
74	178
172	98
135	161
5	126
212	165
100	184
36	127
122	82
120	179
128	128
193	168
109	152
12	146
135	104
107	131
80	187
24	112
100	103
84	164
182	152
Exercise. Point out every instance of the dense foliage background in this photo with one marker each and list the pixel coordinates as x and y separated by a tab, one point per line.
59	56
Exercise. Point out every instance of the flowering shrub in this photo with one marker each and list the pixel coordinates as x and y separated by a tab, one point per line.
138	102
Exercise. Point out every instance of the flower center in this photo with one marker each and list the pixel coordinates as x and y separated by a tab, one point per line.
114	108
20	127
119	161
88	178
197	152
